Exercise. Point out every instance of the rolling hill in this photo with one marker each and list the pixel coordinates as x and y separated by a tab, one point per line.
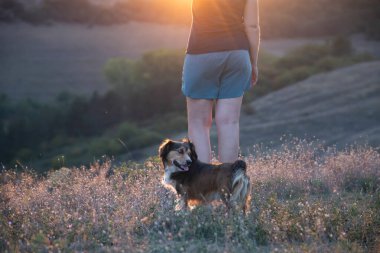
341	107
338	108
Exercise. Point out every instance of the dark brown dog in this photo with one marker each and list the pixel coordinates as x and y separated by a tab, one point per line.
198	182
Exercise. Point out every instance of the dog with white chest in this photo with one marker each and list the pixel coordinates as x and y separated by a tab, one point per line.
197	182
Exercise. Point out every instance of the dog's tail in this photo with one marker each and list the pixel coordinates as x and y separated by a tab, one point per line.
240	184
239	165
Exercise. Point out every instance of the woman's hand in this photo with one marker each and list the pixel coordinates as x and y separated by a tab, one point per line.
255	75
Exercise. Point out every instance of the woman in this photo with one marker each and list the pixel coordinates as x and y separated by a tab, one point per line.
220	65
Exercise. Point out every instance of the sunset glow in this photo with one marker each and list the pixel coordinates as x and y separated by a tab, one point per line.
106	106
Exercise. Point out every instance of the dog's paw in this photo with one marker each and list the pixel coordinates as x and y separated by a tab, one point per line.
180	205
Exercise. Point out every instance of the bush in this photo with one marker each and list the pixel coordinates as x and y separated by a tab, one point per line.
328	63
167	124
303	56
134	137
120	73
293	76
144	139
340	46
57	162
25	154
127	130
104	146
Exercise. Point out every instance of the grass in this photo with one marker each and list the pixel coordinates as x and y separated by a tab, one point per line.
304	199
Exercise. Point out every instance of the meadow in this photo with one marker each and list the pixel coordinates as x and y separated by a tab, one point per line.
123	120
305	198
74	78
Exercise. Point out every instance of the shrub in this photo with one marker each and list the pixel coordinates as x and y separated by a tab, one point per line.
25	154
134	137
120	73
144	139
169	123
304	56
293	76
104	146
340	46
57	162
328	63
127	130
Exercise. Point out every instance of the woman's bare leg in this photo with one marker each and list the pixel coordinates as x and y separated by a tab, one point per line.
199	121
227	116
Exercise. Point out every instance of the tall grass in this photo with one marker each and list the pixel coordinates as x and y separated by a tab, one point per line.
304	199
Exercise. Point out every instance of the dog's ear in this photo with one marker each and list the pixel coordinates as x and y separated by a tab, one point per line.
164	149
193	153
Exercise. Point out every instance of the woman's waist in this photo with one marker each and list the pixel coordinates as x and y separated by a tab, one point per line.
214	35
218	29
198	44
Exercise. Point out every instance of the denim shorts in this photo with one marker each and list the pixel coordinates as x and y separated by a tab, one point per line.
222	74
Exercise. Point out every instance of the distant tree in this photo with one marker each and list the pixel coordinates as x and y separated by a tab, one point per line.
279	18
10	10
120	73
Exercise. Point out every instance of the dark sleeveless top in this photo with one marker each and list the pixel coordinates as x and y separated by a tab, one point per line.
218	25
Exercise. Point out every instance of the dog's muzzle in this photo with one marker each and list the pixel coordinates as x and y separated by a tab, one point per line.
183	167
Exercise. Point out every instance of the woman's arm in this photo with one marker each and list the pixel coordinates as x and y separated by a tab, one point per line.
252	28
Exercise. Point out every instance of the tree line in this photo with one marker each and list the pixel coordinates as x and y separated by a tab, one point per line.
279	18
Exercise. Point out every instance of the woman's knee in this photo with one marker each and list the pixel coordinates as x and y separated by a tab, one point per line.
227	111
222	119
204	122
199	113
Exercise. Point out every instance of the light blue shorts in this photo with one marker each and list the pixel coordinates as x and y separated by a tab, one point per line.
224	74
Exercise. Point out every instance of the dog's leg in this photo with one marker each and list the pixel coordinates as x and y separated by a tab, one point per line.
183	198
247	198
183	203
226	196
